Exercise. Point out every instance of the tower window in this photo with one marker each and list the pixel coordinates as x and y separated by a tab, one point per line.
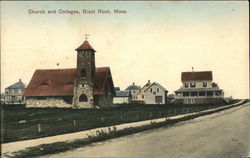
83	72
83	98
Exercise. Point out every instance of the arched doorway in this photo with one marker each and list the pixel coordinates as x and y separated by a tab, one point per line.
83	98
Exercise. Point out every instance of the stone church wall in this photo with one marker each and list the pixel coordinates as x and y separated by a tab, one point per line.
87	90
47	102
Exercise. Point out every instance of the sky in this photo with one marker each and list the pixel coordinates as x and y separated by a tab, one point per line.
153	41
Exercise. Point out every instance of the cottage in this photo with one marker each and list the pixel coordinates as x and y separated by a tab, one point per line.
14	93
134	90
198	88
141	94
83	87
122	97
155	94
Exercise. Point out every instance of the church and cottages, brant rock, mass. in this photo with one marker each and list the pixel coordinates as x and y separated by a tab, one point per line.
83	87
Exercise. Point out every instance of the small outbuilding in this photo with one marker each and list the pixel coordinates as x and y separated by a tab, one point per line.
122	97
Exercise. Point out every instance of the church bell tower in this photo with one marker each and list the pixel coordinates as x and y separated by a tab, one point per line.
85	76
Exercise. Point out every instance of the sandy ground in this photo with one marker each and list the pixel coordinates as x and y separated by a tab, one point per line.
221	135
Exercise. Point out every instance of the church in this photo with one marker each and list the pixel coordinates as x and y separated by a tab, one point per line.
85	86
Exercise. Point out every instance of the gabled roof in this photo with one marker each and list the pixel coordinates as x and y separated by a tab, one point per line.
133	87
17	85
85	46
155	83
60	82
196	76
145	86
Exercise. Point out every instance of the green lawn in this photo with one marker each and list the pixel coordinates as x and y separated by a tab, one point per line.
55	121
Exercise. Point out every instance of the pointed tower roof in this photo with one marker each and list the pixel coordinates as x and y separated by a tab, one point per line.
85	46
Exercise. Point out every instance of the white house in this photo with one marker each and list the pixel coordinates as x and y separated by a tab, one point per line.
141	95
155	94
198	88
122	97
134	90
14	93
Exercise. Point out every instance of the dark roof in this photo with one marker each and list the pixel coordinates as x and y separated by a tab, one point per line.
155	83
122	93
60	82
133	87
17	85
195	76
85	46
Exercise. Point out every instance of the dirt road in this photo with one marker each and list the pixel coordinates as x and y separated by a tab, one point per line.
221	135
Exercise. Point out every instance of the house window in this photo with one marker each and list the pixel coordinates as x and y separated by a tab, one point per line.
142	96
157	89
201	94
154	93
193	94
186	85
151	90
204	84
83	98
185	94
192	84
134	91
210	94
83	72
7	91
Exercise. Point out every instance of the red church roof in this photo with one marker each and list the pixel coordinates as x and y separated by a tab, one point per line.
196	76
60	82
85	46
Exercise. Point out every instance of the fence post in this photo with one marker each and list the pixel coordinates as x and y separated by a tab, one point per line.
74	123
39	129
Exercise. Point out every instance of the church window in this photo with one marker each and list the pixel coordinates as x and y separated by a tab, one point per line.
83	72
83	98
70	83
46	83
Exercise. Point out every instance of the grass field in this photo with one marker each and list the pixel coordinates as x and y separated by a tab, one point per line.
29	123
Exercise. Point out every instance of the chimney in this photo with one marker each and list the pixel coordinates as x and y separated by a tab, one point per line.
148	81
133	83
20	80
192	69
